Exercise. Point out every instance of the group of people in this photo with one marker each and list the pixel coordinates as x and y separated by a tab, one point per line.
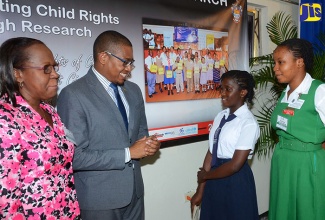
83	162
183	70
226	188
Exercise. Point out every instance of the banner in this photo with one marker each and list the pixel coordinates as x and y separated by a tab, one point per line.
312	20
69	29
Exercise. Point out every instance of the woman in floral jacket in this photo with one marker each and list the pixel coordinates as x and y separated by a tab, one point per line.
36	180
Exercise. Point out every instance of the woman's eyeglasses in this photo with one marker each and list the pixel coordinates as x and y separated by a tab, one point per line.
46	68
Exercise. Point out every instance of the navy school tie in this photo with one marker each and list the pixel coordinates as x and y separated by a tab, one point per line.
120	105
216	137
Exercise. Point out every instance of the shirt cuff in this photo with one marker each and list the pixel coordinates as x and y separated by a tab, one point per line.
127	155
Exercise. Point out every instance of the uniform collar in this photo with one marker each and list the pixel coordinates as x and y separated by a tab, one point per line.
303	88
240	111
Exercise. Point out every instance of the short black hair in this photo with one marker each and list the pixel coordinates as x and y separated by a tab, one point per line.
244	80
300	48
13	54
109	40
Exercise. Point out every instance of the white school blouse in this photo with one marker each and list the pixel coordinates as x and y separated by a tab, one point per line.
239	134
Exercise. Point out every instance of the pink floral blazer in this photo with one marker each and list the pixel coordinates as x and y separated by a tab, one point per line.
36	180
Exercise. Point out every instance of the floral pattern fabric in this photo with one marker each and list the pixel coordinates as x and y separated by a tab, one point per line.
36	177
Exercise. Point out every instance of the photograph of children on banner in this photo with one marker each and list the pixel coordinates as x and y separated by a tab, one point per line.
183	62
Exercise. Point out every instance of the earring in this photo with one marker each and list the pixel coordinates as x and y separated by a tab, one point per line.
21	84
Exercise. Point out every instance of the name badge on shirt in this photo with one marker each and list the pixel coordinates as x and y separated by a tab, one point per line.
282	123
289	111
297	104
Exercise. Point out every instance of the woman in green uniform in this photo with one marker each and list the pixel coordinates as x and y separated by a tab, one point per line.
298	163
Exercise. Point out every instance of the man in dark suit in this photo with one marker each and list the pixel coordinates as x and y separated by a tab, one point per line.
110	129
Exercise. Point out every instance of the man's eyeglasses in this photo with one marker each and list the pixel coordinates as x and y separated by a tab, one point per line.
126	63
46	68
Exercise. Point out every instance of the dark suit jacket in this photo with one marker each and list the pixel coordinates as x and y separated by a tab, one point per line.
103	180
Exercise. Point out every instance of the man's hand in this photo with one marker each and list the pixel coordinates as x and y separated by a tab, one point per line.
153	145
146	146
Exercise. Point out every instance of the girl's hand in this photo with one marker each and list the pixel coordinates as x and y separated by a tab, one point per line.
201	175
196	200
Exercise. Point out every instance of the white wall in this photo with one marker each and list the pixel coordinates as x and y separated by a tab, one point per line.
172	173
169	178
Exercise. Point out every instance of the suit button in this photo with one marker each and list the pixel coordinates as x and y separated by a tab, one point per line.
130	164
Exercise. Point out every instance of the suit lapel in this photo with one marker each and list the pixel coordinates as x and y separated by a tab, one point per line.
99	90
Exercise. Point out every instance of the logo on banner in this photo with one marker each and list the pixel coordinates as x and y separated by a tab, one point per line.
310	12
237	10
